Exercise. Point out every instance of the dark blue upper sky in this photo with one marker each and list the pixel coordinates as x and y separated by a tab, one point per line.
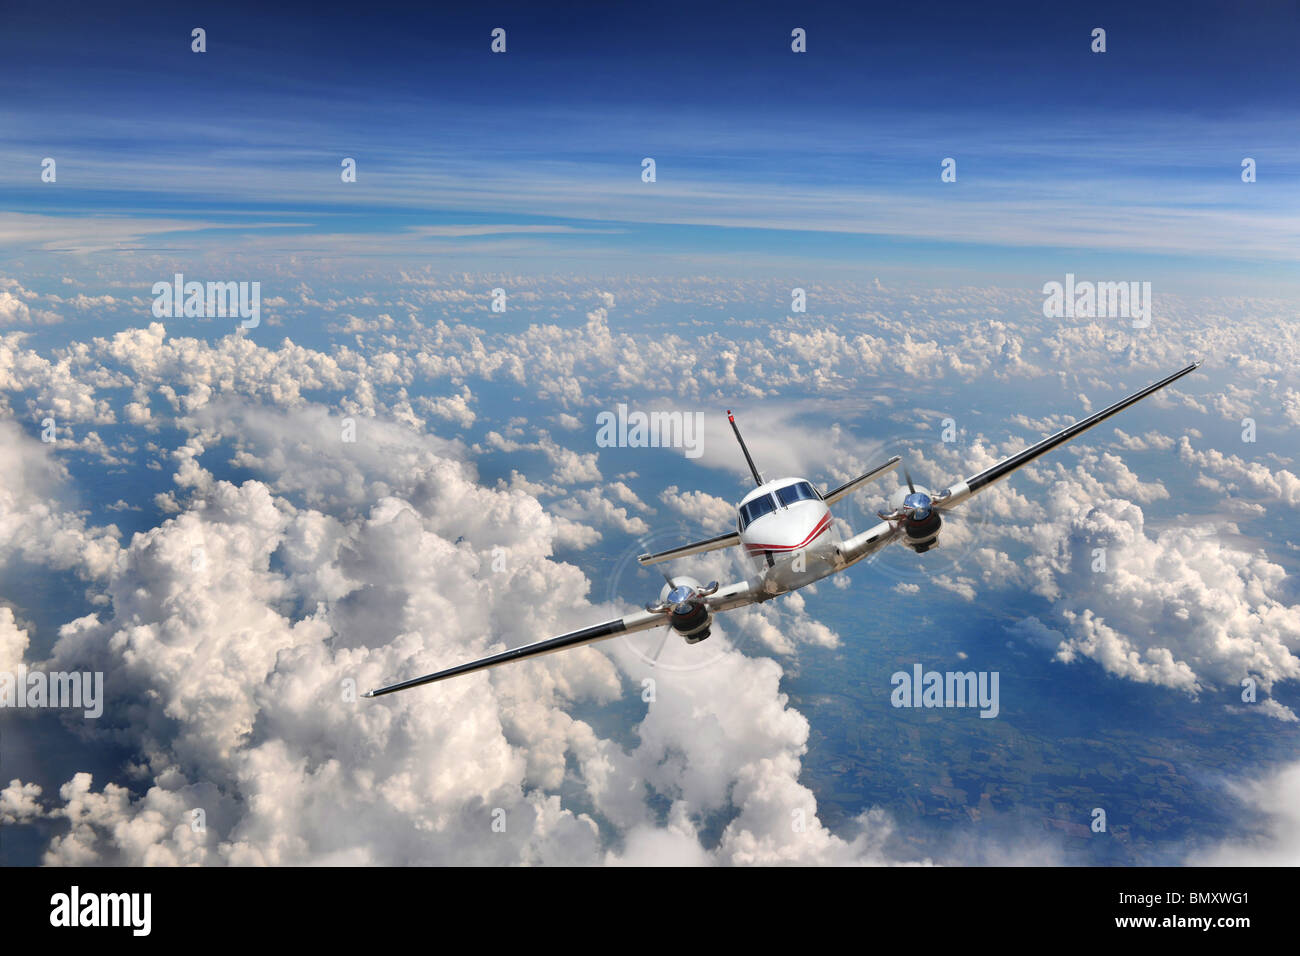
1134	153
1204	58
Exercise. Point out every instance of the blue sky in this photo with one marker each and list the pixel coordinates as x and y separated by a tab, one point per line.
823	163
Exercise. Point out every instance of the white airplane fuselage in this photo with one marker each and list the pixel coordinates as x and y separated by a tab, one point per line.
789	534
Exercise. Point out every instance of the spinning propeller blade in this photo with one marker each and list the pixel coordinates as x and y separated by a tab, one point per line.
654	658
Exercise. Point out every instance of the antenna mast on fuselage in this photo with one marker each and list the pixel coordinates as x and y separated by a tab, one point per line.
758	479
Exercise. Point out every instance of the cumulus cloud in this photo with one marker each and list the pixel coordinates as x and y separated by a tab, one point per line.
570	467
707	510
454	408
36	523
13	641
590	505
1231	472
238	629
1180	609
14	308
1151	440
19	802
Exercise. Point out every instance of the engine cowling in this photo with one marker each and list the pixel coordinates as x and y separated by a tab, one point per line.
688	614
913	508
695	625
922	534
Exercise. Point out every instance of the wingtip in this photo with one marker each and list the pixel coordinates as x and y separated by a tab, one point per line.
643	558
369	693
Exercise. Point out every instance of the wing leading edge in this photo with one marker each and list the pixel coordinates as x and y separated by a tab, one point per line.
959	492
833	496
588	635
699	547
725	599
872	540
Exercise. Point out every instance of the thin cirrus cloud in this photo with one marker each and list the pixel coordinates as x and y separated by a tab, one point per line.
1027	185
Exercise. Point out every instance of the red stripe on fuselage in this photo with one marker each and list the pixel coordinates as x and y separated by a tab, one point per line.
821	527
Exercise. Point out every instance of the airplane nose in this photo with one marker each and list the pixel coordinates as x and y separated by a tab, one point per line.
799	528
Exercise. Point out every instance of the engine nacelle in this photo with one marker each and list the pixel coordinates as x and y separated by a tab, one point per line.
689	615
922	534
694	625
913	508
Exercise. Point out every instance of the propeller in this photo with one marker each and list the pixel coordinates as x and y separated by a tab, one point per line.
916	505
663	641
680	598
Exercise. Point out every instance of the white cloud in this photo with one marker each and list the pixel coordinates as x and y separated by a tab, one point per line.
19	802
709	511
230	629
13	641
1274	834
1182	609
36	524
234	625
1251	477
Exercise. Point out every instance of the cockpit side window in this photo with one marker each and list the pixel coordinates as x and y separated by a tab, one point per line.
753	510
799	491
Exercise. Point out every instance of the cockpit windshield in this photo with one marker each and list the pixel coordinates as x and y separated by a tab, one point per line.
799	491
753	510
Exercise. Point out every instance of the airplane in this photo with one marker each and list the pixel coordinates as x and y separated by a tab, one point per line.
786	530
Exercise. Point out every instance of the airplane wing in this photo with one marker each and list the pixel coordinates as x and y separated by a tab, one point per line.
724	599
873	539
834	496
699	547
959	492
640	621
